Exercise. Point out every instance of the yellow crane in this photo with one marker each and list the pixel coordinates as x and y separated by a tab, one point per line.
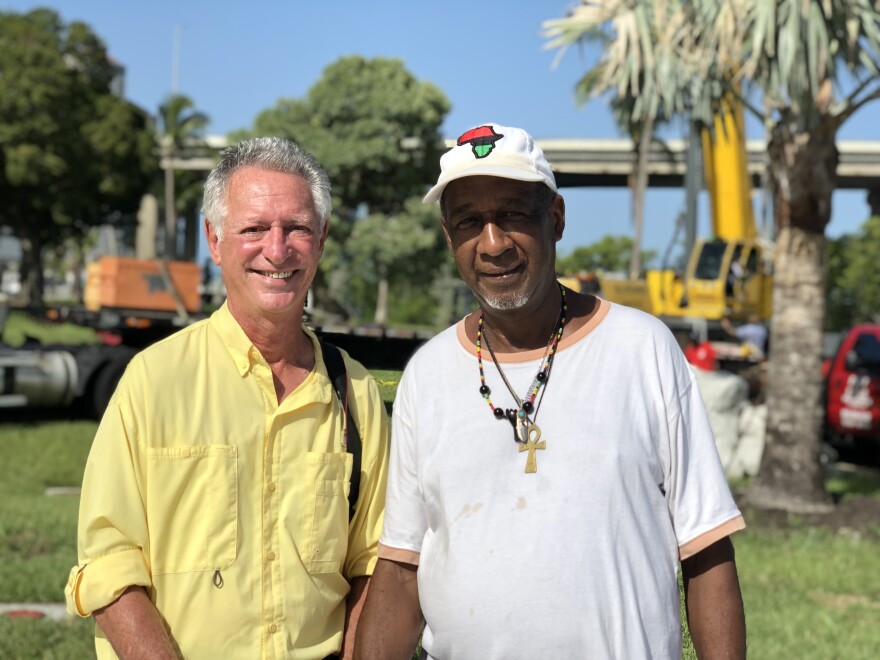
727	275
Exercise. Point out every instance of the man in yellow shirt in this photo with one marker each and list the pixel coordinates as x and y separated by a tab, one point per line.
214	520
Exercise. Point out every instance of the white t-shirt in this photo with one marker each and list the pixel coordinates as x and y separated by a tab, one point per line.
579	559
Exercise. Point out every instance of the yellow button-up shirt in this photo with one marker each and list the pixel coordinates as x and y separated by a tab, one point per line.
229	508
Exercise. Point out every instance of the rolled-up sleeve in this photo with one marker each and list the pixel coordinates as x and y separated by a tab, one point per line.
113	539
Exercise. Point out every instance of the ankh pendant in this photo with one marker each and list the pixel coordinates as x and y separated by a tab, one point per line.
531	445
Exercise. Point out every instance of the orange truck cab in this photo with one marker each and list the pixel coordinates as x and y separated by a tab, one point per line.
852	390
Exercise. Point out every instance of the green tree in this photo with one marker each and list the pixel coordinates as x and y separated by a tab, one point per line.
813	64
181	128
861	274
608	254
376	130
839	304
72	155
406	249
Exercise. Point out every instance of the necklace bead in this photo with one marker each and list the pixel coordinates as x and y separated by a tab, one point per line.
526	407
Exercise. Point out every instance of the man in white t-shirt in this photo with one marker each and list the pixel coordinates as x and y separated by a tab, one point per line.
552	466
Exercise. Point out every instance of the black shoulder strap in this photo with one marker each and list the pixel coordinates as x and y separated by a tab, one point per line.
339	378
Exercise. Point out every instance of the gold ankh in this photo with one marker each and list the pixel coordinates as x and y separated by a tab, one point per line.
531	445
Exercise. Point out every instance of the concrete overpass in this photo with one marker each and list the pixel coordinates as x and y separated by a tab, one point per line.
609	163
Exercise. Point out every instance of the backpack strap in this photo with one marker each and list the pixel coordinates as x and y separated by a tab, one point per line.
339	378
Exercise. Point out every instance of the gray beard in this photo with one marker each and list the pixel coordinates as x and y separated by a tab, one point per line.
506	304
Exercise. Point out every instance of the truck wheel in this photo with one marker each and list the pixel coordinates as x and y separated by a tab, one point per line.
104	384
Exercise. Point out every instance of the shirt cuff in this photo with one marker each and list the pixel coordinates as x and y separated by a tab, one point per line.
703	541
98	583
399	554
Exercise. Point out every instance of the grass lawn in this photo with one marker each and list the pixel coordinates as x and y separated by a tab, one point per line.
25	639
809	592
387	382
38	533
20	326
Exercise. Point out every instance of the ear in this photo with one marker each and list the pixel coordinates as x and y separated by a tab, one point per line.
557	213
213	242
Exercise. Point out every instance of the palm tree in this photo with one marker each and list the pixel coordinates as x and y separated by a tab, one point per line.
180	127
629	68
813	64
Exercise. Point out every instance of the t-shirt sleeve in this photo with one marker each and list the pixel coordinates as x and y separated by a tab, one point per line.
365	527
405	519
701	506
112	520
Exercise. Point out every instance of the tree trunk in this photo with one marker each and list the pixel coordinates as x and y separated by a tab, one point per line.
640	187
791	475
381	315
79	269
31	269
170	209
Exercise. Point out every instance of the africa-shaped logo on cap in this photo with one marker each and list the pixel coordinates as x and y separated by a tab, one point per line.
482	140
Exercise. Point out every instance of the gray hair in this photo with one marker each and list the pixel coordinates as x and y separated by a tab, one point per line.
268	153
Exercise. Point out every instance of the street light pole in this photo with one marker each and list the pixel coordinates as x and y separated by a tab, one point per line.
168	153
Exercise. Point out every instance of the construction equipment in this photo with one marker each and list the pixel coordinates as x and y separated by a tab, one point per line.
727	275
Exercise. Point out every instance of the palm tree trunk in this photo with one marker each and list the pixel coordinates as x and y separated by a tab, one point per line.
791	475
170	209
803	171
639	190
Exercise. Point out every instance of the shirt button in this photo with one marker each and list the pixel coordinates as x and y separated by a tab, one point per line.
273	628
271	555
271	486
185	453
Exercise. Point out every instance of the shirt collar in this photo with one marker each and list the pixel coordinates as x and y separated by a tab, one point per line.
245	354
240	347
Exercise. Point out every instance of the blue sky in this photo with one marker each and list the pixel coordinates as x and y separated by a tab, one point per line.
236	59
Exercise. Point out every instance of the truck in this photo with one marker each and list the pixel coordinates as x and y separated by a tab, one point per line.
727	275
852	392
130	303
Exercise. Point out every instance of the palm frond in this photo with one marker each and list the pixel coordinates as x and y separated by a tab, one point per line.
676	57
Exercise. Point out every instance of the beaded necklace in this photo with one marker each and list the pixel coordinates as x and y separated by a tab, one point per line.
526	431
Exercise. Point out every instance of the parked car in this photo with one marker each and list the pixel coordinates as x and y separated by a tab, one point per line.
852	391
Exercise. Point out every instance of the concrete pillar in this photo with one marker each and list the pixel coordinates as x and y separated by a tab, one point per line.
874	200
191	234
148	221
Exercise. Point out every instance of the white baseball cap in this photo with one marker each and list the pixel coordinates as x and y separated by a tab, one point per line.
493	150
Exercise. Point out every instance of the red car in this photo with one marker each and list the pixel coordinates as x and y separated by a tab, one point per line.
852	389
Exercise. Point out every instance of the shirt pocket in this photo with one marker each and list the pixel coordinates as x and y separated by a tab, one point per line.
325	519
192	507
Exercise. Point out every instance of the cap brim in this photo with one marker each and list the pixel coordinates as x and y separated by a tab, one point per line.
483	169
